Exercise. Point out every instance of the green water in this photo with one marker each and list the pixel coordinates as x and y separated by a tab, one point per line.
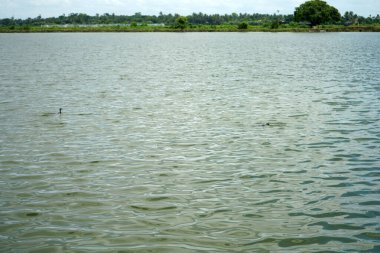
163	143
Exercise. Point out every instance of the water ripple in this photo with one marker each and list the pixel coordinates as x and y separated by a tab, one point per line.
190	142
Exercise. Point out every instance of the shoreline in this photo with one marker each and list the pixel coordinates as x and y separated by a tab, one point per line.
56	29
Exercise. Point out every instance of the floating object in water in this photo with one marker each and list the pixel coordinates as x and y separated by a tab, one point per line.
274	124
47	114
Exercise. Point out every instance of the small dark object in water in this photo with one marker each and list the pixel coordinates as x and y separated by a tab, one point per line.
267	124
60	110
33	214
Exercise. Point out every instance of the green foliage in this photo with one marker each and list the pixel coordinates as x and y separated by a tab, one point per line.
316	12
291	27
243	26
181	22
26	28
138	18
275	24
194	22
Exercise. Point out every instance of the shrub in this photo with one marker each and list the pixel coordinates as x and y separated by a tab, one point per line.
243	26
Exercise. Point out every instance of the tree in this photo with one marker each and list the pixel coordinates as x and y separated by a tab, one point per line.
243	26
316	12
350	18
181	22
275	24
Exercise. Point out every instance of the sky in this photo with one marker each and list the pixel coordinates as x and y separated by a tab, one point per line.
54	8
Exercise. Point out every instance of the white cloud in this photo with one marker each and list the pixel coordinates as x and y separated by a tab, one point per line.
41	3
113	2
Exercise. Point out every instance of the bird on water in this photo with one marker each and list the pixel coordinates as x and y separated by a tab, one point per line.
60	111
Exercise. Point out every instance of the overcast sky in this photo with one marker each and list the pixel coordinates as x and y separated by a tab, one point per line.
50	8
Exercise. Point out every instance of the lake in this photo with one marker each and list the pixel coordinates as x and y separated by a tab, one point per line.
190	142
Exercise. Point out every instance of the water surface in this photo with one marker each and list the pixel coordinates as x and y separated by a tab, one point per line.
190	142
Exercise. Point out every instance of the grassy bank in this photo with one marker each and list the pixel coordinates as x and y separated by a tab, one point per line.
197	28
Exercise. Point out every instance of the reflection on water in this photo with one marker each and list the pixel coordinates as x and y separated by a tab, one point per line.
236	142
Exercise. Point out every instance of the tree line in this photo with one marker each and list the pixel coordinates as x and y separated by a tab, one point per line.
170	19
138	18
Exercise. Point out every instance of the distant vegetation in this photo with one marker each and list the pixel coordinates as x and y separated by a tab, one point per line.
181	22
243	26
315	14
141	20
